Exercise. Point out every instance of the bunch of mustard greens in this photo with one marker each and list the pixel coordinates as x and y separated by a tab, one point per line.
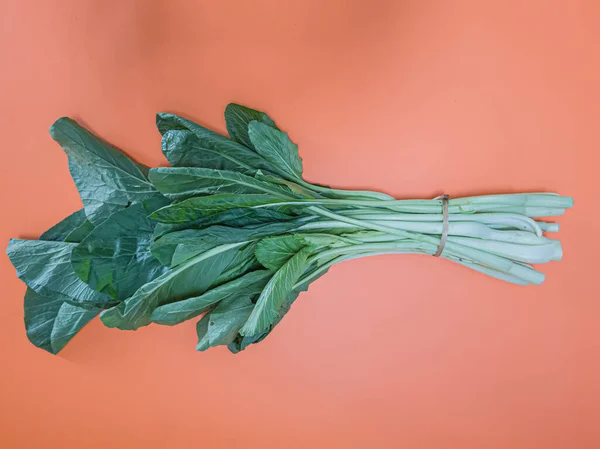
232	233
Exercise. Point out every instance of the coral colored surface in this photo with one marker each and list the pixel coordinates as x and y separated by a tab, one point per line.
414	98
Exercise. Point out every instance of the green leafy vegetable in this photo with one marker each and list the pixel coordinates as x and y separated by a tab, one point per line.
232	233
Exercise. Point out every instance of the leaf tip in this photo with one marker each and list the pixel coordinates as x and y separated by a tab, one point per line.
59	123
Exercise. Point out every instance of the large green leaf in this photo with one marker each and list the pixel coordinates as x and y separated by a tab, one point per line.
237	153
185	182
199	207
115	257
276	147
248	286
191	278
183	148
237	119
50	322
107	180
45	267
272	299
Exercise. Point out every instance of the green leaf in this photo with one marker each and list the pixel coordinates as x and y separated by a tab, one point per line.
184	182
276	147
107	180
46	268
198	207
208	146
50	322
115	257
60	231
183	148
191	278
237	119
248	286
248	161
272	299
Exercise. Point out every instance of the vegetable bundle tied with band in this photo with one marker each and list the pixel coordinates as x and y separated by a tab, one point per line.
231	233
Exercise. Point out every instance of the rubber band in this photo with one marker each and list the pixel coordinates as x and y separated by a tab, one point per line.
444	237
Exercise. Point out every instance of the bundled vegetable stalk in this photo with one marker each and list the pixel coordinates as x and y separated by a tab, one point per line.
233	233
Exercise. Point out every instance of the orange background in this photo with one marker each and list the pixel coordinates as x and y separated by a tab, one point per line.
414	98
